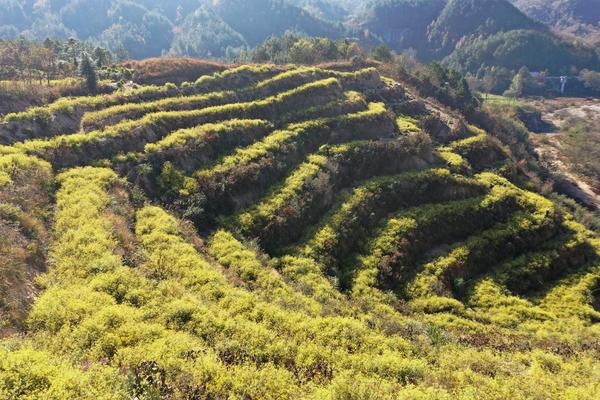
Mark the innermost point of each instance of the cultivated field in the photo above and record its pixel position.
(274, 232)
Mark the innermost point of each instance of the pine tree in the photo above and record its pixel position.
(382, 53)
(88, 71)
(102, 57)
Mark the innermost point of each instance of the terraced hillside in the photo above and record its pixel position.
(275, 232)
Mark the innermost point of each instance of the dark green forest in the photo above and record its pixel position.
(465, 34)
(148, 28)
(469, 34)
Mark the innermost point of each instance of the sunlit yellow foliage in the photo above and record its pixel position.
(14, 165)
(136, 110)
(407, 125)
(69, 105)
(340, 262)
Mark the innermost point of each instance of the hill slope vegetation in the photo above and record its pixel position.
(287, 232)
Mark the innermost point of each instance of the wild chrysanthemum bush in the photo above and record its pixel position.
(348, 225)
(267, 233)
(193, 147)
(114, 114)
(407, 125)
(14, 167)
(182, 138)
(237, 78)
(309, 190)
(84, 241)
(64, 115)
(72, 149)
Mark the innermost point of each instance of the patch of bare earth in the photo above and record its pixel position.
(562, 113)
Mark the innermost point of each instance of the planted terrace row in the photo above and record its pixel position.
(564, 302)
(394, 253)
(189, 149)
(117, 317)
(526, 229)
(239, 329)
(283, 332)
(570, 250)
(348, 226)
(361, 80)
(67, 115)
(481, 152)
(64, 115)
(280, 83)
(577, 295)
(237, 78)
(228, 88)
(84, 243)
(241, 178)
(65, 151)
(99, 120)
(202, 333)
(280, 218)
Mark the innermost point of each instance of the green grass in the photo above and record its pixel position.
(500, 100)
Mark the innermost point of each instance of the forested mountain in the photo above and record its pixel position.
(462, 19)
(472, 34)
(331, 10)
(401, 24)
(436, 27)
(539, 51)
(258, 19)
(580, 18)
(153, 27)
(561, 11)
